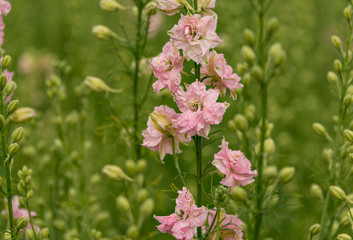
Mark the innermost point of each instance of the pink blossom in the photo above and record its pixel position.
(195, 35)
(220, 75)
(5, 7)
(160, 132)
(234, 165)
(230, 226)
(206, 4)
(167, 68)
(187, 217)
(169, 7)
(199, 109)
(19, 212)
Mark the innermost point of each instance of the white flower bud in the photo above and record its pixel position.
(98, 85)
(337, 192)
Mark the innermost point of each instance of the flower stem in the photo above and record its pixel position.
(31, 220)
(198, 145)
(176, 162)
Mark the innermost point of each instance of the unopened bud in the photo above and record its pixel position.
(239, 194)
(23, 115)
(277, 54)
(240, 122)
(102, 32)
(348, 134)
(6, 62)
(272, 25)
(29, 194)
(17, 135)
(147, 207)
(347, 12)
(96, 234)
(132, 232)
(248, 54)
(123, 204)
(142, 195)
(270, 172)
(151, 8)
(316, 191)
(13, 149)
(12, 106)
(141, 165)
(110, 5)
(332, 77)
(231, 125)
(344, 236)
(3, 81)
(10, 88)
(270, 146)
(115, 173)
(242, 68)
(2, 121)
(350, 156)
(44, 233)
(29, 234)
(257, 73)
(286, 174)
(249, 36)
(130, 166)
(98, 85)
(337, 65)
(246, 78)
(315, 229)
(319, 129)
(273, 200)
(336, 41)
(337, 192)
(21, 222)
(250, 112)
(348, 100)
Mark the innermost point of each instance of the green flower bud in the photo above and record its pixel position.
(130, 166)
(133, 232)
(13, 149)
(286, 174)
(344, 236)
(337, 192)
(142, 195)
(12, 106)
(350, 156)
(272, 25)
(29, 194)
(44, 233)
(270, 146)
(231, 125)
(96, 234)
(316, 191)
(335, 119)
(147, 207)
(3, 81)
(319, 129)
(21, 222)
(7, 236)
(315, 229)
(151, 8)
(347, 13)
(337, 65)
(270, 173)
(273, 201)
(348, 100)
(336, 41)
(29, 234)
(22, 115)
(348, 134)
(332, 77)
(17, 135)
(221, 195)
(257, 73)
(249, 36)
(246, 78)
(123, 204)
(240, 122)
(2, 121)
(250, 112)
(248, 54)
(110, 5)
(6, 62)
(98, 85)
(239, 194)
(141, 165)
(115, 173)
(242, 68)
(277, 54)
(102, 32)
(10, 88)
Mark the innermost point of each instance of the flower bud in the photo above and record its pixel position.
(7, 236)
(3, 81)
(272, 201)
(96, 234)
(348, 134)
(316, 191)
(13, 149)
(10, 88)
(98, 85)
(29, 234)
(239, 194)
(115, 173)
(21, 222)
(142, 195)
(332, 77)
(231, 125)
(6, 62)
(336, 41)
(132, 232)
(102, 32)
(347, 13)
(319, 129)
(151, 8)
(348, 100)
(249, 36)
(270, 173)
(29, 194)
(17, 135)
(337, 65)
(350, 156)
(248, 54)
(277, 54)
(12, 106)
(240, 122)
(257, 73)
(242, 68)
(147, 207)
(272, 25)
(270, 146)
(315, 229)
(337, 192)
(123, 204)
(23, 115)
(141, 165)
(246, 78)
(110, 5)
(286, 174)
(2, 121)
(343, 236)
(130, 166)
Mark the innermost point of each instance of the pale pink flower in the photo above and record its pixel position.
(187, 217)
(220, 75)
(195, 35)
(5, 7)
(156, 21)
(206, 4)
(169, 7)
(230, 226)
(167, 68)
(199, 109)
(160, 132)
(235, 166)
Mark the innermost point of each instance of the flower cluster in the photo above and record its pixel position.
(5, 8)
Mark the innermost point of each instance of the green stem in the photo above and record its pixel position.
(31, 220)
(218, 217)
(176, 162)
(198, 146)
(9, 200)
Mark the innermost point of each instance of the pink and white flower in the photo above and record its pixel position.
(160, 132)
(187, 217)
(220, 75)
(170, 7)
(230, 226)
(199, 109)
(235, 166)
(167, 68)
(195, 35)
(5, 7)
(206, 4)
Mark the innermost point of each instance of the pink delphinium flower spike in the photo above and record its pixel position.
(220, 75)
(187, 217)
(195, 35)
(166, 68)
(235, 166)
(199, 109)
(160, 132)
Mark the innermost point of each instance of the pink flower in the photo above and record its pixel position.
(195, 35)
(234, 165)
(230, 226)
(206, 4)
(5, 7)
(187, 217)
(19, 212)
(169, 7)
(167, 68)
(220, 75)
(200, 109)
(160, 132)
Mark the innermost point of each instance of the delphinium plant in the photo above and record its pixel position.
(198, 95)
(337, 215)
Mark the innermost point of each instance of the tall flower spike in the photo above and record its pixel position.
(195, 35)
(234, 165)
(199, 109)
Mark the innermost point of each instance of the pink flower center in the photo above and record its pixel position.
(195, 105)
(190, 32)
